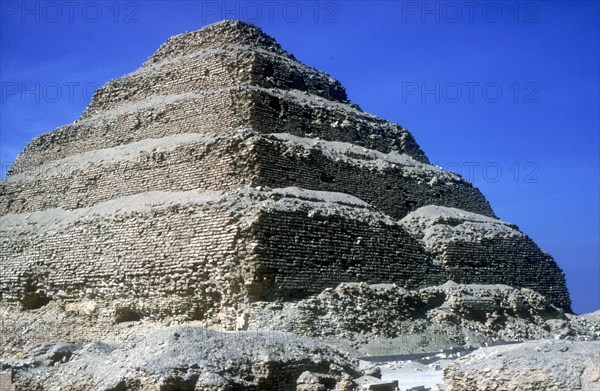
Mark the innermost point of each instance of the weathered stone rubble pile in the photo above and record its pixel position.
(387, 319)
(187, 358)
(541, 365)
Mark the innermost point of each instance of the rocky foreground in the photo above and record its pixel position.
(540, 365)
(194, 358)
(310, 344)
(186, 358)
(386, 319)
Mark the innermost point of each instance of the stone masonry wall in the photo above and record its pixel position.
(393, 188)
(220, 111)
(302, 251)
(517, 262)
(280, 70)
(212, 90)
(191, 161)
(204, 71)
(178, 259)
(202, 254)
(177, 163)
(477, 249)
(231, 33)
(277, 111)
(118, 205)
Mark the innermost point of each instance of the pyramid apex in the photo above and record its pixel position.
(218, 35)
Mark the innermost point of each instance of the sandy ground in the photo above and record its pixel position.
(412, 374)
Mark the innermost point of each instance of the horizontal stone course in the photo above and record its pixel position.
(221, 111)
(396, 184)
(212, 69)
(143, 250)
(477, 249)
(217, 112)
(176, 163)
(146, 254)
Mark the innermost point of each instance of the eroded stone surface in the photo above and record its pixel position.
(471, 248)
(543, 366)
(383, 319)
(187, 358)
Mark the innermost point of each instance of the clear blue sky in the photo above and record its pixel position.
(507, 93)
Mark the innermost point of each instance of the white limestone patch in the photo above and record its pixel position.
(411, 374)
(312, 202)
(370, 158)
(545, 365)
(93, 113)
(123, 153)
(245, 202)
(322, 196)
(595, 316)
(475, 288)
(187, 357)
(56, 219)
(438, 224)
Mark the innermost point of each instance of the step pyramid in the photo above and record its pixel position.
(224, 172)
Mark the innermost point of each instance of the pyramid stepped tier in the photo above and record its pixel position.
(225, 172)
(247, 245)
(230, 33)
(133, 247)
(202, 113)
(395, 184)
(476, 248)
(251, 245)
(220, 112)
(230, 55)
(212, 69)
(174, 163)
